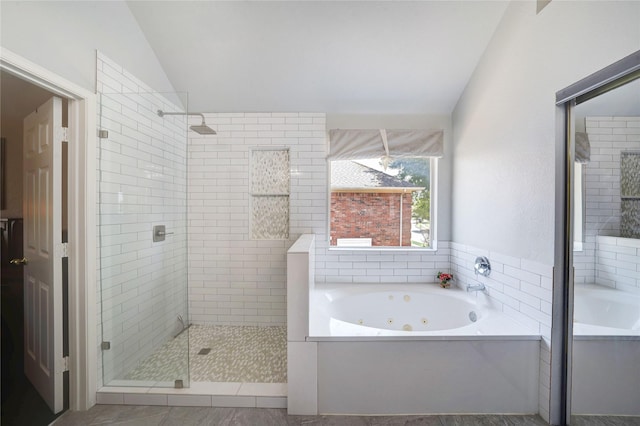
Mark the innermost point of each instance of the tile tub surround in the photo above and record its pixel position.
(618, 263)
(142, 181)
(344, 374)
(521, 289)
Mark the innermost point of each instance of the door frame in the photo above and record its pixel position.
(82, 224)
(606, 79)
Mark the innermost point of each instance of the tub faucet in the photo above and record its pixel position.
(476, 287)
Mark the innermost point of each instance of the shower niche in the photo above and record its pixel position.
(270, 189)
(630, 194)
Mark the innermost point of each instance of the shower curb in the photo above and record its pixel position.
(202, 394)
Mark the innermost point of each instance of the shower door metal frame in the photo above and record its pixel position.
(609, 78)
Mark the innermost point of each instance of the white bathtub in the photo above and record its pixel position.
(407, 311)
(420, 344)
(604, 311)
(350, 351)
(606, 352)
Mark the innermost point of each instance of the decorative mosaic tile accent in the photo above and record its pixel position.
(270, 172)
(630, 221)
(630, 174)
(169, 363)
(238, 354)
(270, 218)
(269, 190)
(630, 193)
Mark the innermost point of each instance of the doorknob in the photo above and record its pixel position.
(22, 261)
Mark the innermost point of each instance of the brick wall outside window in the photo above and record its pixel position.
(371, 215)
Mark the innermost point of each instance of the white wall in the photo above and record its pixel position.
(504, 123)
(63, 37)
(504, 127)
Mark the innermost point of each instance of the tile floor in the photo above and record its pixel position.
(231, 366)
(248, 356)
(185, 416)
(235, 354)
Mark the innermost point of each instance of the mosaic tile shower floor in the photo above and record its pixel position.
(238, 354)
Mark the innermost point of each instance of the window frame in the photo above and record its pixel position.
(433, 205)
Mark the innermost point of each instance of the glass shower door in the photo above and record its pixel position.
(142, 220)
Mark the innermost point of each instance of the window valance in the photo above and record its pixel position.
(583, 148)
(349, 144)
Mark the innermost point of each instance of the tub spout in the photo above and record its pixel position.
(476, 287)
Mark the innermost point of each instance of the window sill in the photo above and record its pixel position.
(398, 249)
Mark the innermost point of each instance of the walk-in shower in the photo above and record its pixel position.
(149, 336)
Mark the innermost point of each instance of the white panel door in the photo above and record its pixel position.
(42, 208)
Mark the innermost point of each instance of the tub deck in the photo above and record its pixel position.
(492, 324)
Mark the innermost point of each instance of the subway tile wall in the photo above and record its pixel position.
(236, 280)
(520, 288)
(142, 181)
(618, 263)
(608, 136)
(380, 266)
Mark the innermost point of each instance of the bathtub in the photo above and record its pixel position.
(409, 311)
(606, 351)
(381, 349)
(604, 311)
(418, 349)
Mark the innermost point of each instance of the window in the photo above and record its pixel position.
(374, 206)
(382, 187)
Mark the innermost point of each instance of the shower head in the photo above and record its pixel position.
(201, 129)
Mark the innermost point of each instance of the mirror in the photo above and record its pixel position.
(607, 269)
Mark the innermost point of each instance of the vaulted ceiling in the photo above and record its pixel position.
(362, 57)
